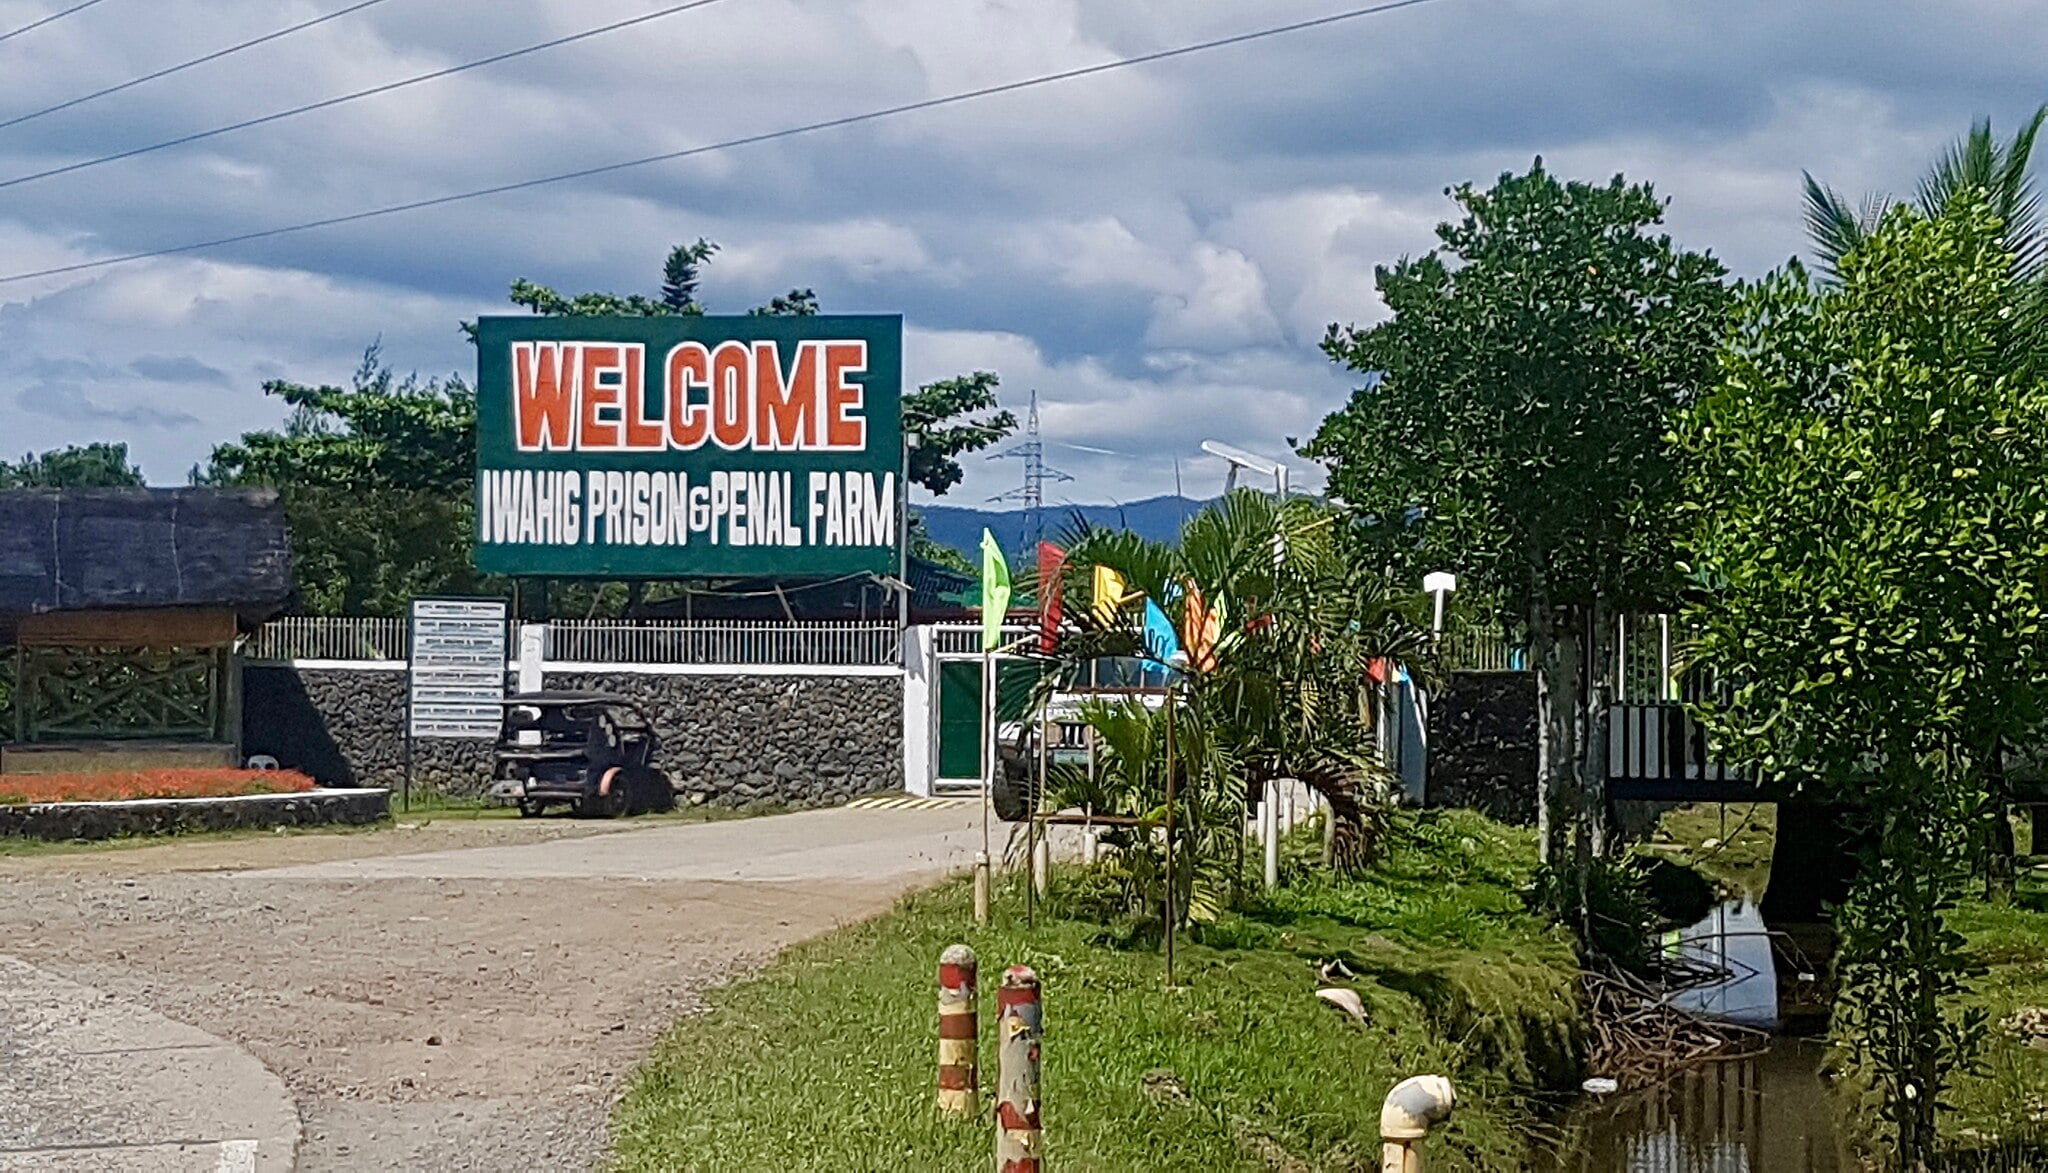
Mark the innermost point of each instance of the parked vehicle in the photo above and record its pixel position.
(588, 751)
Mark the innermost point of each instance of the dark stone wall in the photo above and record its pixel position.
(346, 727)
(1482, 745)
(110, 820)
(799, 740)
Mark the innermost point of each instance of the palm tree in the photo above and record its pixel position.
(1280, 692)
(1976, 162)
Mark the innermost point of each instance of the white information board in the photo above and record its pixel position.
(457, 653)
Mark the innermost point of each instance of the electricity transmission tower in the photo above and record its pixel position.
(1031, 450)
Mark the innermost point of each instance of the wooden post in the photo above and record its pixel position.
(959, 1031)
(981, 888)
(1020, 1022)
(1170, 918)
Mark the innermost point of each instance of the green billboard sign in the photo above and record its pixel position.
(685, 447)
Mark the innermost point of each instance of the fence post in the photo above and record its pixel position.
(981, 887)
(959, 1031)
(1020, 1022)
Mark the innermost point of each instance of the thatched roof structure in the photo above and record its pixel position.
(121, 549)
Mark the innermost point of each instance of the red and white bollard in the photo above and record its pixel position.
(1020, 1021)
(959, 1031)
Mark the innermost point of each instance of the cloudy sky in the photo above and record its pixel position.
(1156, 250)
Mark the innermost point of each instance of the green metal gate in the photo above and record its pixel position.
(960, 732)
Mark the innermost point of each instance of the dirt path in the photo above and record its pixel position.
(465, 995)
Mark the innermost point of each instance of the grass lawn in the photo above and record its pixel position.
(2008, 1098)
(1728, 843)
(826, 1060)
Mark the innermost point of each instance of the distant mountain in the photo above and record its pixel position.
(1157, 518)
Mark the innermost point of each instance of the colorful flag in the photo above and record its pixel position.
(1051, 561)
(995, 592)
(1204, 629)
(1109, 594)
(1162, 643)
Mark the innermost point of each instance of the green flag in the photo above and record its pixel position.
(995, 592)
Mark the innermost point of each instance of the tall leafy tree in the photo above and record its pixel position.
(1869, 534)
(98, 465)
(1516, 402)
(376, 480)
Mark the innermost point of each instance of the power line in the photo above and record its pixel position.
(185, 65)
(727, 144)
(373, 91)
(31, 26)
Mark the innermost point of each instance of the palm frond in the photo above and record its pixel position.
(1833, 227)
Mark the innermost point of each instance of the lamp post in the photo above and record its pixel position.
(910, 440)
(1439, 583)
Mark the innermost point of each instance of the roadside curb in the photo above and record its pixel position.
(92, 1082)
(171, 816)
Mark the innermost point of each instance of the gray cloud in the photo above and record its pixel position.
(1155, 251)
(68, 402)
(181, 368)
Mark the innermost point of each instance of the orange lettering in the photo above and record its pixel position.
(842, 396)
(731, 404)
(689, 365)
(543, 400)
(642, 434)
(785, 418)
(596, 433)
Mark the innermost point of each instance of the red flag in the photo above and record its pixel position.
(1051, 560)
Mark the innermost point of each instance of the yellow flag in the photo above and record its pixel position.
(1109, 594)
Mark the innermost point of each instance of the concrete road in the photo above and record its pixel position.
(466, 994)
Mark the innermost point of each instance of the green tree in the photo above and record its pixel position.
(1976, 163)
(376, 479)
(1517, 400)
(953, 417)
(1868, 535)
(98, 465)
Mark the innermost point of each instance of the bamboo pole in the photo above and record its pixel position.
(1170, 918)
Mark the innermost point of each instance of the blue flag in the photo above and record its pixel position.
(1162, 642)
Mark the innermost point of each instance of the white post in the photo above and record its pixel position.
(920, 679)
(1269, 819)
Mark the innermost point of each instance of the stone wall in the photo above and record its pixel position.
(1482, 745)
(799, 740)
(346, 727)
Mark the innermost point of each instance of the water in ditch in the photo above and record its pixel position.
(1769, 1113)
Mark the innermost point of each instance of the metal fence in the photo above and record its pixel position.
(1471, 650)
(320, 637)
(601, 641)
(698, 641)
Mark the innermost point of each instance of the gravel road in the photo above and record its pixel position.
(465, 994)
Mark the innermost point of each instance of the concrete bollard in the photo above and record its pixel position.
(1414, 1107)
(1020, 1022)
(981, 888)
(959, 1031)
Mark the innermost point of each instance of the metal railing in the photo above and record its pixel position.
(322, 637)
(1472, 650)
(959, 639)
(699, 641)
(600, 641)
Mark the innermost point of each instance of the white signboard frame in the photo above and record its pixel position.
(456, 679)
